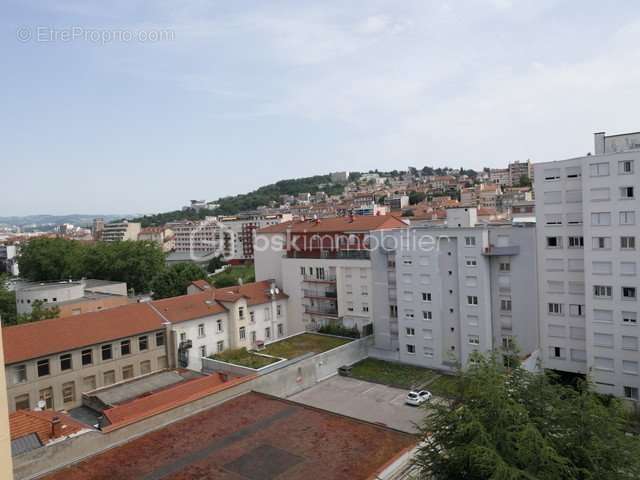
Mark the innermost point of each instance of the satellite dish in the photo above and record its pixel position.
(277, 291)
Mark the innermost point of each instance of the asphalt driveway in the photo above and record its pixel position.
(364, 400)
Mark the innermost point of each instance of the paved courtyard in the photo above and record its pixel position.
(368, 401)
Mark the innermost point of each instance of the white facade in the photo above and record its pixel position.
(587, 210)
(442, 293)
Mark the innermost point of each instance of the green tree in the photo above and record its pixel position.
(508, 423)
(215, 263)
(524, 181)
(46, 259)
(8, 310)
(39, 312)
(174, 280)
(416, 197)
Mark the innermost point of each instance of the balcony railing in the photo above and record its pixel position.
(324, 279)
(329, 294)
(330, 254)
(507, 250)
(321, 310)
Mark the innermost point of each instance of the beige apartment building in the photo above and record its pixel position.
(120, 231)
(57, 360)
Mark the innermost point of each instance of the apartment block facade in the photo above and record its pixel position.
(120, 231)
(586, 210)
(442, 292)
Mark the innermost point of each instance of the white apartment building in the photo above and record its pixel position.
(324, 266)
(120, 231)
(586, 210)
(231, 236)
(443, 292)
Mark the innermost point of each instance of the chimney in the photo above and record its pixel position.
(56, 427)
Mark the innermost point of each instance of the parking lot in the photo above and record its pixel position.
(368, 401)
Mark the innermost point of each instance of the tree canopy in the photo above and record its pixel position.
(513, 424)
(50, 259)
(174, 280)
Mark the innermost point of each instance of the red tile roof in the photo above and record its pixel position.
(256, 293)
(25, 422)
(252, 431)
(338, 224)
(46, 337)
(201, 284)
(167, 399)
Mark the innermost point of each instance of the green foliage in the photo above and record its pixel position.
(513, 424)
(215, 263)
(173, 281)
(8, 311)
(160, 219)
(241, 356)
(524, 181)
(416, 197)
(233, 274)
(340, 330)
(49, 259)
(38, 312)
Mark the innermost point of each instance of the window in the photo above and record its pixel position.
(145, 367)
(241, 313)
(159, 339)
(602, 243)
(410, 332)
(220, 346)
(551, 174)
(553, 219)
(626, 192)
(89, 383)
(472, 300)
(427, 315)
(470, 241)
(280, 329)
(474, 339)
(365, 307)
(557, 352)
(599, 219)
(629, 343)
(471, 262)
(505, 267)
(576, 310)
(428, 352)
(253, 336)
(203, 350)
(107, 353)
(576, 242)
(19, 373)
(46, 395)
(393, 311)
(125, 347)
(574, 218)
(630, 318)
(43, 367)
(554, 242)
(143, 343)
(628, 243)
(22, 402)
(631, 392)
(302, 271)
(555, 308)
(252, 316)
(553, 197)
(109, 377)
(628, 293)
(411, 348)
(267, 333)
(573, 172)
(183, 337)
(219, 325)
(599, 169)
(627, 218)
(603, 316)
(625, 167)
(68, 392)
(65, 362)
(505, 305)
(279, 307)
(426, 296)
(602, 291)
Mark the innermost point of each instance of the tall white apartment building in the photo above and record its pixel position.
(586, 211)
(442, 292)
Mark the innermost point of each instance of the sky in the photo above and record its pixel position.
(133, 106)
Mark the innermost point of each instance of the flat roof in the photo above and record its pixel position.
(253, 437)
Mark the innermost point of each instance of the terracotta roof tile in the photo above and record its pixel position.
(46, 337)
(25, 422)
(256, 293)
(338, 224)
(201, 284)
(188, 307)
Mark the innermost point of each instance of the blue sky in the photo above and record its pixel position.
(240, 93)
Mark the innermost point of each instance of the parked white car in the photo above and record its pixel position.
(416, 398)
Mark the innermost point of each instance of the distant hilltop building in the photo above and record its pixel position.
(97, 228)
(340, 177)
(120, 231)
(510, 176)
(163, 236)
